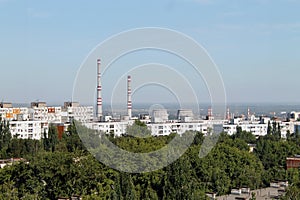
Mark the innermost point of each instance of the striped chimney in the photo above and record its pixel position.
(210, 112)
(99, 90)
(228, 114)
(129, 102)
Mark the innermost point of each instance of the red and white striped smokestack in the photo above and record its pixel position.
(129, 102)
(99, 90)
(210, 112)
(228, 114)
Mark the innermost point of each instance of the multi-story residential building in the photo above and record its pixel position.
(158, 129)
(256, 129)
(118, 128)
(28, 129)
(49, 114)
(20, 113)
(31, 123)
(72, 110)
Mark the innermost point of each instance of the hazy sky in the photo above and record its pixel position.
(255, 43)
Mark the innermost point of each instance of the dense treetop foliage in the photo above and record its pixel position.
(62, 168)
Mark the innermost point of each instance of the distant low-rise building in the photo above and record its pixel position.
(293, 162)
(11, 161)
(5, 105)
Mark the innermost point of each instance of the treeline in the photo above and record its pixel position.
(12, 147)
(62, 168)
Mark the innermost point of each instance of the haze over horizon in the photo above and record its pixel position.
(255, 45)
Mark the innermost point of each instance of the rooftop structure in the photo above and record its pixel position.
(5, 105)
(260, 194)
(185, 115)
(38, 104)
(159, 116)
(71, 104)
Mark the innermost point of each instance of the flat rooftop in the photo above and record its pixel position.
(261, 194)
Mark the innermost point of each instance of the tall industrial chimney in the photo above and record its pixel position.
(209, 112)
(129, 102)
(248, 114)
(99, 89)
(228, 114)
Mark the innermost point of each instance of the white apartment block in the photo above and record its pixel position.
(255, 128)
(157, 129)
(117, 128)
(160, 129)
(31, 123)
(28, 129)
(82, 114)
(49, 114)
(19, 114)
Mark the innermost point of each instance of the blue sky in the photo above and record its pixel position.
(255, 43)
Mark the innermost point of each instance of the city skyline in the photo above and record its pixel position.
(253, 43)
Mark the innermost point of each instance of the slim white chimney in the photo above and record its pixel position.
(129, 103)
(248, 113)
(99, 89)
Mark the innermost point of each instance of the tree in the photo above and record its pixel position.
(127, 187)
(248, 137)
(72, 140)
(5, 137)
(51, 139)
(297, 131)
(276, 130)
(199, 138)
(293, 192)
(288, 134)
(23, 147)
(138, 129)
(269, 130)
(253, 196)
(238, 131)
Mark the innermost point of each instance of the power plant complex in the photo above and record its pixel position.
(33, 122)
